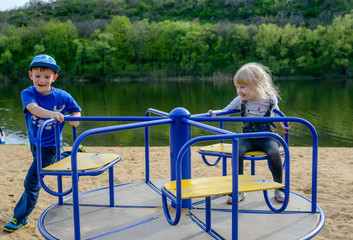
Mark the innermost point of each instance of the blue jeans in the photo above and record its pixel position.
(268, 145)
(31, 184)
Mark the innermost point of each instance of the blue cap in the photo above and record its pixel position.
(45, 61)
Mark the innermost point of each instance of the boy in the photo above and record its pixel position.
(40, 102)
(2, 137)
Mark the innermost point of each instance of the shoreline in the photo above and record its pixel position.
(334, 177)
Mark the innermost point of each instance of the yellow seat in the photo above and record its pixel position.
(216, 186)
(224, 151)
(226, 148)
(85, 162)
(88, 164)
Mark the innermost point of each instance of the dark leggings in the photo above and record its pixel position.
(268, 145)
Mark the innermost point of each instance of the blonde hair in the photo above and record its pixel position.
(257, 76)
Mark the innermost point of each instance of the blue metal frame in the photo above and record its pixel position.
(74, 172)
(177, 200)
(224, 156)
(147, 145)
(180, 121)
(281, 119)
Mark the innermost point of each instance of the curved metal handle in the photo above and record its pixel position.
(166, 210)
(208, 163)
(270, 205)
(54, 193)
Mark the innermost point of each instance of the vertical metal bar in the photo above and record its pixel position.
(235, 181)
(252, 166)
(147, 151)
(58, 158)
(314, 173)
(57, 141)
(221, 126)
(111, 186)
(74, 133)
(208, 214)
(75, 195)
(60, 190)
(224, 166)
(224, 160)
(179, 135)
(59, 177)
(147, 155)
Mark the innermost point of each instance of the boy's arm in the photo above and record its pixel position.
(75, 114)
(44, 113)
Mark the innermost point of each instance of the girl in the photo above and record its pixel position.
(257, 97)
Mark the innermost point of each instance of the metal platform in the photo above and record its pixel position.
(138, 214)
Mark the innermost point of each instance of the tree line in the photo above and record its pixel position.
(280, 12)
(126, 48)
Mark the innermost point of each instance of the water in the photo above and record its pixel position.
(325, 104)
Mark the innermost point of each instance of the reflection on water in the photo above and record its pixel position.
(327, 105)
(16, 137)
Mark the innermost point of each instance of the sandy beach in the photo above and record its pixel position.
(335, 182)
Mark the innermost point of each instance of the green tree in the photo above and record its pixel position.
(58, 41)
(5, 61)
(38, 49)
(167, 48)
(100, 54)
(194, 49)
(268, 46)
(118, 28)
(305, 59)
(239, 46)
(335, 45)
(279, 47)
(80, 56)
(136, 39)
(11, 49)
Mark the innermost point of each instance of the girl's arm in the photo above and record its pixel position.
(283, 126)
(233, 105)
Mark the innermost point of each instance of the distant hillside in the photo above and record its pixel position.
(93, 14)
(112, 39)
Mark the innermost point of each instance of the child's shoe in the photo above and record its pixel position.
(279, 195)
(241, 197)
(81, 148)
(14, 225)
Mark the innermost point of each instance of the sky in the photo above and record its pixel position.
(9, 4)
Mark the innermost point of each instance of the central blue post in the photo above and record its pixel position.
(179, 135)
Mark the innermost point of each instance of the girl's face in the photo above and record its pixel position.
(248, 93)
(42, 80)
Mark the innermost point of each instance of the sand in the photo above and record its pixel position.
(335, 182)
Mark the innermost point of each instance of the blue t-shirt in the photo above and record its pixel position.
(58, 101)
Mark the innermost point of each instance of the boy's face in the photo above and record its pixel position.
(42, 79)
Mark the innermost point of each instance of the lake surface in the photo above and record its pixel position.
(328, 105)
